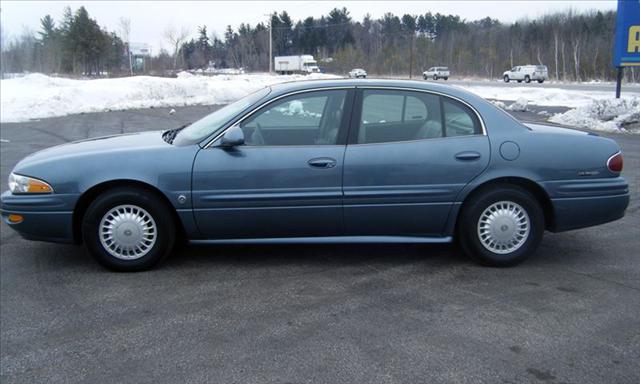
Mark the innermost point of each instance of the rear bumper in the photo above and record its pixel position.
(44, 217)
(585, 203)
(581, 212)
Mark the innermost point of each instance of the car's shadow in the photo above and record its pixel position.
(294, 256)
(312, 256)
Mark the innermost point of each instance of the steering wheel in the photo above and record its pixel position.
(257, 137)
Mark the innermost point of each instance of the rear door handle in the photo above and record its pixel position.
(322, 162)
(467, 156)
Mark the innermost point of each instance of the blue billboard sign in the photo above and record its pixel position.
(627, 43)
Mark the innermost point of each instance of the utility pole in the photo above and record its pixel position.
(270, 44)
(411, 58)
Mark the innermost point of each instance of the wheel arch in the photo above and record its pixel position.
(527, 184)
(92, 193)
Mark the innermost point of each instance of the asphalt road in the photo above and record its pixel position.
(316, 313)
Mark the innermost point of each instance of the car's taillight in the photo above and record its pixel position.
(615, 162)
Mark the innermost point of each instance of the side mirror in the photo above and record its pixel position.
(232, 137)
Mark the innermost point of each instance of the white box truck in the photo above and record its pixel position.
(305, 64)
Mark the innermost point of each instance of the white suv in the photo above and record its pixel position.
(436, 73)
(527, 73)
(358, 73)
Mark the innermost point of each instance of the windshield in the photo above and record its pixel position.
(204, 127)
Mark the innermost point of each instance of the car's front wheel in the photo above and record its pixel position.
(527, 79)
(435, 77)
(501, 226)
(424, 77)
(128, 229)
(506, 78)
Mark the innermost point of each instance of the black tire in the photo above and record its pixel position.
(158, 210)
(446, 78)
(506, 78)
(540, 81)
(527, 79)
(467, 229)
(435, 77)
(519, 81)
(424, 77)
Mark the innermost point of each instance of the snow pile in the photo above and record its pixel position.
(296, 108)
(38, 96)
(499, 104)
(613, 115)
(519, 105)
(541, 96)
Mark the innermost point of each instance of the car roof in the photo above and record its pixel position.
(293, 86)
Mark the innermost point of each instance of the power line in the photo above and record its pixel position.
(314, 26)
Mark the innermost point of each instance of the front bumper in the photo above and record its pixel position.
(585, 203)
(45, 217)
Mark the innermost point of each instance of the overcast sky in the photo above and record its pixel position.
(150, 18)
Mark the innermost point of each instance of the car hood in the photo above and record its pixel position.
(99, 145)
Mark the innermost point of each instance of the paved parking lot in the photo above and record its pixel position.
(316, 314)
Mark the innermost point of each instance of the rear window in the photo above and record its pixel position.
(541, 67)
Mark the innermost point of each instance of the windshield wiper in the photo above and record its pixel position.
(171, 134)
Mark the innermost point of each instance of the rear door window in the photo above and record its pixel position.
(395, 115)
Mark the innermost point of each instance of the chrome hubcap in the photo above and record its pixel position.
(503, 227)
(127, 232)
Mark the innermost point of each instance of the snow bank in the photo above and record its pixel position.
(37, 96)
(613, 115)
(539, 95)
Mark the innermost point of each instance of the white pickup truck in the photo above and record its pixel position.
(436, 73)
(526, 73)
(286, 65)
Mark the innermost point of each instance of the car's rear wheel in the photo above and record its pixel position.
(506, 78)
(446, 78)
(541, 81)
(527, 79)
(501, 226)
(128, 229)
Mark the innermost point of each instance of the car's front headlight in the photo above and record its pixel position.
(19, 184)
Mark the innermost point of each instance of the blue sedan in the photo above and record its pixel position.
(323, 161)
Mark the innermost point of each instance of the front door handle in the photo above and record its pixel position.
(322, 162)
(467, 156)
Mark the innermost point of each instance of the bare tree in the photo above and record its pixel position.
(564, 68)
(555, 41)
(124, 25)
(176, 38)
(576, 59)
(3, 58)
